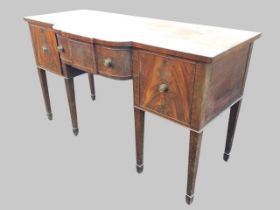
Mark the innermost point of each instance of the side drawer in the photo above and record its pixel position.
(166, 86)
(77, 54)
(114, 62)
(45, 48)
(64, 49)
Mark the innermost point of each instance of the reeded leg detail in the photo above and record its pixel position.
(139, 117)
(194, 151)
(233, 117)
(69, 83)
(91, 84)
(44, 86)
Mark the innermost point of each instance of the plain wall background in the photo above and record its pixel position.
(43, 166)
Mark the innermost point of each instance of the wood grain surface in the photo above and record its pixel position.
(206, 42)
(44, 45)
(120, 62)
(177, 75)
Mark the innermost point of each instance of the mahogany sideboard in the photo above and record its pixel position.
(183, 72)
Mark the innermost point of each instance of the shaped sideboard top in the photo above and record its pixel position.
(200, 40)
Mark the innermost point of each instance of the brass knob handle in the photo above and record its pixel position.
(60, 48)
(108, 62)
(163, 88)
(45, 49)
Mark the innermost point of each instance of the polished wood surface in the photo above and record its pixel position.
(69, 84)
(136, 77)
(139, 117)
(114, 62)
(45, 90)
(223, 92)
(44, 45)
(183, 72)
(200, 90)
(194, 152)
(82, 55)
(65, 52)
(177, 75)
(206, 42)
(218, 86)
(233, 117)
(92, 86)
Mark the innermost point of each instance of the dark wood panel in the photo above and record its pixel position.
(247, 65)
(92, 86)
(218, 85)
(65, 53)
(166, 86)
(233, 117)
(226, 84)
(82, 55)
(199, 100)
(141, 46)
(45, 48)
(45, 91)
(139, 118)
(136, 77)
(69, 84)
(194, 152)
(114, 62)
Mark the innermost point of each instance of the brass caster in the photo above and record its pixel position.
(49, 115)
(76, 131)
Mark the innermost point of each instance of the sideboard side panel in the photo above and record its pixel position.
(227, 82)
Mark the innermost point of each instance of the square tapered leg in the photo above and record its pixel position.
(194, 152)
(91, 85)
(44, 86)
(69, 84)
(233, 117)
(139, 117)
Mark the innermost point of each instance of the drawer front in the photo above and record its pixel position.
(63, 48)
(77, 54)
(114, 62)
(82, 55)
(166, 86)
(45, 48)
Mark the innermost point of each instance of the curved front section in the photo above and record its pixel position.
(86, 55)
(114, 62)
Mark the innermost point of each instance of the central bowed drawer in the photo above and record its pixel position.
(114, 62)
(166, 86)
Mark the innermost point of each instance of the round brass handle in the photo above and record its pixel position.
(45, 49)
(163, 88)
(108, 62)
(60, 48)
